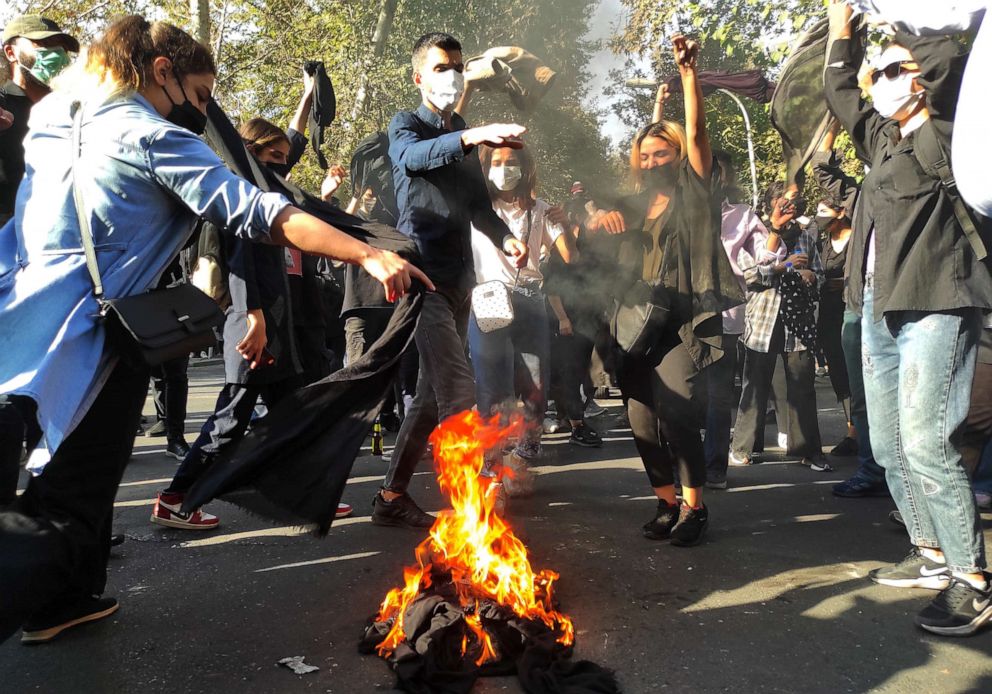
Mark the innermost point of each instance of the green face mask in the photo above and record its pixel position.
(48, 62)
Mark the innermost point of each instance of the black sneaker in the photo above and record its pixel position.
(401, 511)
(958, 610)
(660, 528)
(583, 435)
(691, 527)
(390, 421)
(117, 540)
(157, 429)
(177, 449)
(47, 625)
(896, 517)
(860, 488)
(915, 571)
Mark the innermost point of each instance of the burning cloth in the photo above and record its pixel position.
(472, 606)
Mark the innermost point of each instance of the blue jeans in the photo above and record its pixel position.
(496, 356)
(918, 369)
(850, 338)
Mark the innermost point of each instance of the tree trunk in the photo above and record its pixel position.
(387, 12)
(199, 12)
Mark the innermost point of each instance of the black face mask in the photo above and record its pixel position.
(823, 222)
(279, 169)
(661, 177)
(185, 115)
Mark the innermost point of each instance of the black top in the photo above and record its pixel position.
(923, 260)
(440, 194)
(13, 99)
(833, 262)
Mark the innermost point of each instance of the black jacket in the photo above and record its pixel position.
(695, 269)
(13, 99)
(923, 261)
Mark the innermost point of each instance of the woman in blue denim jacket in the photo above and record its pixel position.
(144, 177)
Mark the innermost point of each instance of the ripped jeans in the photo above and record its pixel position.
(918, 370)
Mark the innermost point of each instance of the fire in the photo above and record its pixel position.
(474, 544)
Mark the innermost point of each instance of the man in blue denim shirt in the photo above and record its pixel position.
(440, 193)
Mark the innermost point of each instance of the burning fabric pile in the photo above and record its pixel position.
(473, 606)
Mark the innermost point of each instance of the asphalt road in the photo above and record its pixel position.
(776, 600)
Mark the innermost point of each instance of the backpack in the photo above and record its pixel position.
(936, 163)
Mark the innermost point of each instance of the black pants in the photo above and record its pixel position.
(226, 426)
(315, 358)
(55, 541)
(361, 329)
(18, 428)
(803, 428)
(664, 415)
(828, 329)
(446, 385)
(571, 356)
(721, 400)
(171, 388)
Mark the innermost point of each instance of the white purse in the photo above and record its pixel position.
(492, 302)
(492, 306)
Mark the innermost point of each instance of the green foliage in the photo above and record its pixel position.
(261, 46)
(734, 35)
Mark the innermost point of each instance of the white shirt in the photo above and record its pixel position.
(492, 263)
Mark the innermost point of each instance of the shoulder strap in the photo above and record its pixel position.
(934, 160)
(84, 223)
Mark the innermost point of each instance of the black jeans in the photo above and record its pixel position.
(446, 385)
(226, 426)
(55, 541)
(660, 394)
(830, 323)
(721, 400)
(171, 388)
(569, 372)
(361, 329)
(802, 424)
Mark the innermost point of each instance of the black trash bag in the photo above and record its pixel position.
(798, 308)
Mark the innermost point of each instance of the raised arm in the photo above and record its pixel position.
(299, 122)
(862, 122)
(700, 154)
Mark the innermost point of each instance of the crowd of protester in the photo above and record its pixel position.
(677, 291)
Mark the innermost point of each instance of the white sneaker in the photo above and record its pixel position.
(783, 441)
(551, 425)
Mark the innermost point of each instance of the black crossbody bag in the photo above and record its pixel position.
(153, 327)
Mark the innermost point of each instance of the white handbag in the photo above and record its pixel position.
(492, 302)
(492, 306)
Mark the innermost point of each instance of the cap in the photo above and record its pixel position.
(35, 27)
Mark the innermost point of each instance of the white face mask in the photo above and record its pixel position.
(505, 178)
(890, 97)
(443, 89)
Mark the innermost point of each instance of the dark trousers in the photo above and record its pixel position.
(446, 386)
(55, 541)
(570, 372)
(361, 329)
(868, 469)
(171, 388)
(18, 428)
(315, 359)
(226, 426)
(830, 323)
(720, 402)
(800, 372)
(664, 415)
(978, 427)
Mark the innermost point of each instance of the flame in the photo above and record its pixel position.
(472, 542)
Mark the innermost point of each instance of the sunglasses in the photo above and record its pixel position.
(893, 70)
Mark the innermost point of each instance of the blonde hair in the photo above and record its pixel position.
(119, 63)
(671, 132)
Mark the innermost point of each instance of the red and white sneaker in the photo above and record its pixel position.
(344, 510)
(168, 512)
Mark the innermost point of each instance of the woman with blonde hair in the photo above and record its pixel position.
(136, 104)
(671, 262)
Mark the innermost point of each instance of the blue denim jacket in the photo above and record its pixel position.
(144, 181)
(440, 193)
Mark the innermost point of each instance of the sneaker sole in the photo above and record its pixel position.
(931, 583)
(50, 633)
(965, 629)
(181, 525)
